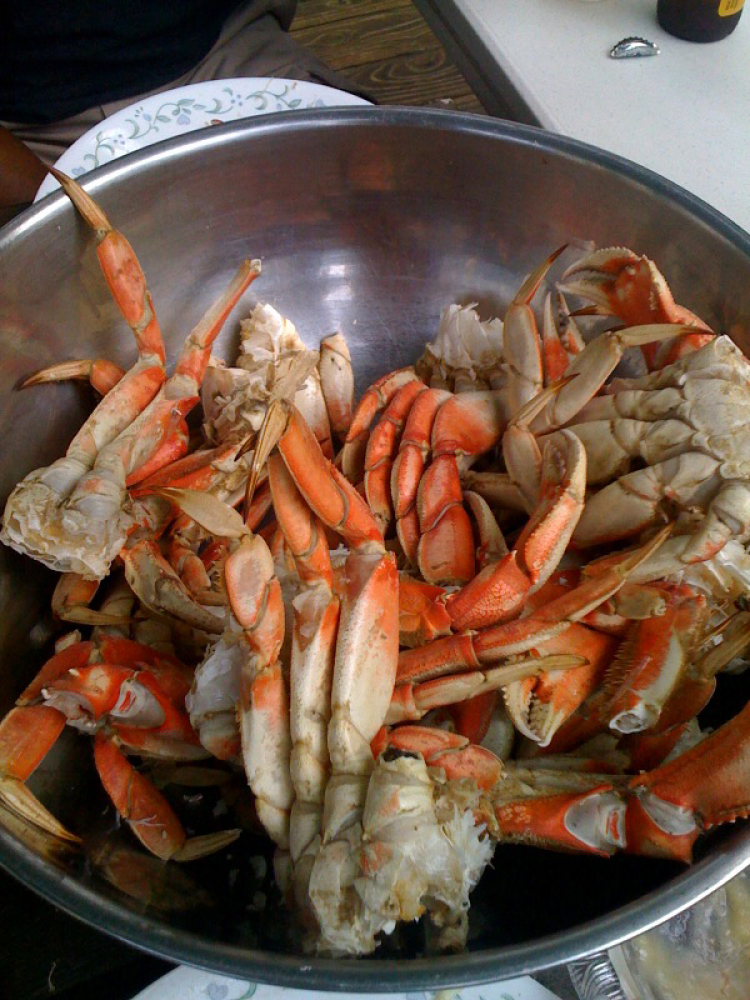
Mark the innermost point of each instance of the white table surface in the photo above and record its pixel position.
(684, 113)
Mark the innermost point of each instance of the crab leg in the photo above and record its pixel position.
(421, 612)
(147, 812)
(372, 403)
(701, 788)
(84, 533)
(492, 546)
(409, 464)
(622, 284)
(412, 702)
(103, 375)
(465, 427)
(521, 340)
(26, 737)
(593, 366)
(499, 590)
(538, 709)
(173, 447)
(256, 601)
(366, 648)
(119, 265)
(316, 621)
(660, 813)
(337, 382)
(381, 448)
(639, 499)
(556, 358)
(72, 596)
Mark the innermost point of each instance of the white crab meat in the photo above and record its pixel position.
(213, 699)
(419, 852)
(467, 353)
(273, 363)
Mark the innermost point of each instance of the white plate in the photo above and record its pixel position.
(185, 109)
(192, 984)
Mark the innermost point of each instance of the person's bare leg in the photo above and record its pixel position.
(21, 173)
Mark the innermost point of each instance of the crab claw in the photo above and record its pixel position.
(706, 786)
(622, 284)
(591, 821)
(26, 737)
(159, 588)
(147, 812)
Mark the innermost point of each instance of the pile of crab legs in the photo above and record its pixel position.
(603, 666)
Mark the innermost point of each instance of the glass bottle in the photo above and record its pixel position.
(699, 20)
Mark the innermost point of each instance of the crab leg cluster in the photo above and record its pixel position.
(511, 548)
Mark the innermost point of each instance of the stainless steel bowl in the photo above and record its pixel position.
(372, 220)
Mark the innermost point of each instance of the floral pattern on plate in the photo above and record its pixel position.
(192, 984)
(185, 109)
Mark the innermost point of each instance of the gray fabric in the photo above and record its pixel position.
(252, 43)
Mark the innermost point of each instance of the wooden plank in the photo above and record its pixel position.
(311, 13)
(360, 40)
(414, 79)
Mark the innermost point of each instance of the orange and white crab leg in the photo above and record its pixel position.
(103, 375)
(89, 531)
(337, 382)
(522, 452)
(381, 451)
(622, 284)
(466, 426)
(146, 811)
(590, 369)
(409, 464)
(26, 736)
(658, 681)
(522, 344)
(498, 590)
(257, 604)
(704, 787)
(316, 621)
(32, 511)
(537, 709)
(372, 403)
(492, 545)
(411, 702)
(366, 650)
(120, 267)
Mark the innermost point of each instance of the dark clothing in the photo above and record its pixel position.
(59, 57)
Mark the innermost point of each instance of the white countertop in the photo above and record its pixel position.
(684, 113)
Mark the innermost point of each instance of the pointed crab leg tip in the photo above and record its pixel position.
(634, 559)
(274, 425)
(36, 379)
(201, 847)
(537, 403)
(87, 616)
(648, 333)
(59, 175)
(84, 203)
(17, 797)
(528, 289)
(585, 311)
